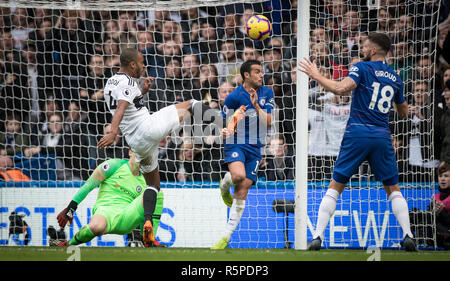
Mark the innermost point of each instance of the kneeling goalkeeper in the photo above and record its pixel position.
(120, 205)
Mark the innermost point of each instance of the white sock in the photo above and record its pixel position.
(236, 211)
(401, 212)
(326, 210)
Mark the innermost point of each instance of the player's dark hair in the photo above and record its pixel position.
(381, 40)
(128, 55)
(247, 67)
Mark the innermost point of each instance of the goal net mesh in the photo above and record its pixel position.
(57, 55)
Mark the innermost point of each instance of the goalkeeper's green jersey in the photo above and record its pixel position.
(118, 187)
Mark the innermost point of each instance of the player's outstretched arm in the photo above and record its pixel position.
(108, 139)
(341, 88)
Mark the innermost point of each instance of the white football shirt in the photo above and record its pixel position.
(123, 87)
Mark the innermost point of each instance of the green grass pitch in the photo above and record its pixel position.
(33, 253)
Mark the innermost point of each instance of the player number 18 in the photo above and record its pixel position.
(384, 103)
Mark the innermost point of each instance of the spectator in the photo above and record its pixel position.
(41, 15)
(191, 72)
(91, 26)
(190, 162)
(318, 35)
(336, 112)
(157, 57)
(224, 89)
(424, 70)
(50, 107)
(76, 131)
(319, 166)
(249, 53)
(384, 22)
(171, 30)
(246, 15)
(117, 150)
(291, 49)
(445, 129)
(56, 143)
(73, 51)
(441, 55)
(231, 32)
(111, 30)
(8, 51)
(228, 60)
(275, 66)
(9, 173)
(351, 26)
(44, 41)
(419, 139)
(111, 53)
(437, 213)
(190, 23)
(206, 43)
(91, 93)
(13, 140)
(404, 28)
(23, 24)
(14, 91)
(321, 54)
(335, 11)
(145, 40)
(327, 126)
(403, 54)
(287, 112)
(155, 25)
(76, 121)
(339, 52)
(209, 83)
(280, 163)
(169, 90)
(30, 63)
(356, 50)
(445, 84)
(127, 29)
(167, 159)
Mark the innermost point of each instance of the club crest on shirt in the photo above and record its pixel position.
(262, 102)
(105, 166)
(225, 110)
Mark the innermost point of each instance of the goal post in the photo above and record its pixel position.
(301, 164)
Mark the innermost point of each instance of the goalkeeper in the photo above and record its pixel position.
(119, 208)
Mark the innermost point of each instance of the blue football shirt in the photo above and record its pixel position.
(249, 130)
(377, 87)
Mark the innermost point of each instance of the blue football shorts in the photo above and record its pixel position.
(251, 159)
(379, 152)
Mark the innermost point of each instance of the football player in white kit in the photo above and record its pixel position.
(142, 130)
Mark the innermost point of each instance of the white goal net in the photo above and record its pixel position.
(57, 55)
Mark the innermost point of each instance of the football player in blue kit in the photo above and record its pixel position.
(249, 107)
(374, 88)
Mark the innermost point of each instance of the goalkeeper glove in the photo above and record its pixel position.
(66, 215)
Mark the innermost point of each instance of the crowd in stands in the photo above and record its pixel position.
(54, 65)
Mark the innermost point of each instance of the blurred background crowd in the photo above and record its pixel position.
(54, 64)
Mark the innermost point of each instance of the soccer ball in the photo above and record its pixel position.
(258, 27)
